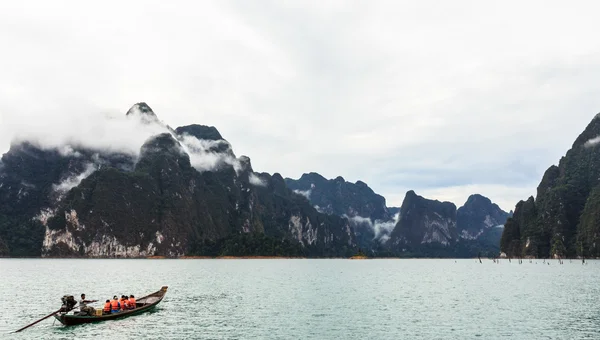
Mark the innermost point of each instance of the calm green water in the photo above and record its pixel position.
(311, 299)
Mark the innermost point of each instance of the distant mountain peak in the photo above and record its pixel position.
(411, 193)
(590, 136)
(162, 143)
(477, 214)
(361, 184)
(477, 199)
(424, 221)
(143, 111)
(200, 131)
(339, 197)
(312, 176)
(245, 164)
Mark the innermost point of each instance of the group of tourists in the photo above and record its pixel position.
(110, 306)
(118, 305)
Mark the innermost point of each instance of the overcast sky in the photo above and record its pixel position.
(447, 98)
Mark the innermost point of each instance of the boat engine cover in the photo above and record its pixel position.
(68, 302)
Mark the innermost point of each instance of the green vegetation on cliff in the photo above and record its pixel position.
(562, 219)
(336, 196)
(20, 237)
(166, 207)
(248, 244)
(186, 193)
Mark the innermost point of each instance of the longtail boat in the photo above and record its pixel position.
(143, 304)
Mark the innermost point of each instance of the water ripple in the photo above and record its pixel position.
(312, 299)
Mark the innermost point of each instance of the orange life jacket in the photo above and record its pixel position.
(107, 307)
(123, 304)
(131, 303)
(114, 304)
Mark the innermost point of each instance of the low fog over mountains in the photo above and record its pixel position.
(132, 186)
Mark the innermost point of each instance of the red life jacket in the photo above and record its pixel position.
(114, 304)
(132, 303)
(107, 307)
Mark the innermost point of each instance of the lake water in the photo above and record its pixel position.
(311, 299)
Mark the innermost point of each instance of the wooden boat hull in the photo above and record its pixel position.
(145, 304)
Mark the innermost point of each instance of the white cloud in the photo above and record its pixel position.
(256, 180)
(72, 181)
(358, 219)
(381, 229)
(592, 141)
(67, 151)
(204, 155)
(305, 193)
(402, 95)
(89, 128)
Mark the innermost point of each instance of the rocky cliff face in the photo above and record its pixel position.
(433, 228)
(424, 221)
(185, 193)
(478, 215)
(3, 249)
(32, 183)
(366, 211)
(420, 227)
(561, 220)
(340, 197)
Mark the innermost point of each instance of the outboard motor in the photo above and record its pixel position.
(68, 303)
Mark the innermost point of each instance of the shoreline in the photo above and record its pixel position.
(228, 257)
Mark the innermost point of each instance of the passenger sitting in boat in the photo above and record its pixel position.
(84, 308)
(124, 303)
(131, 302)
(115, 306)
(106, 309)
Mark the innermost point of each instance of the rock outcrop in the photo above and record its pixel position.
(366, 211)
(477, 216)
(433, 228)
(424, 221)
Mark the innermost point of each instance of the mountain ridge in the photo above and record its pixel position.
(560, 221)
(186, 193)
(473, 221)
